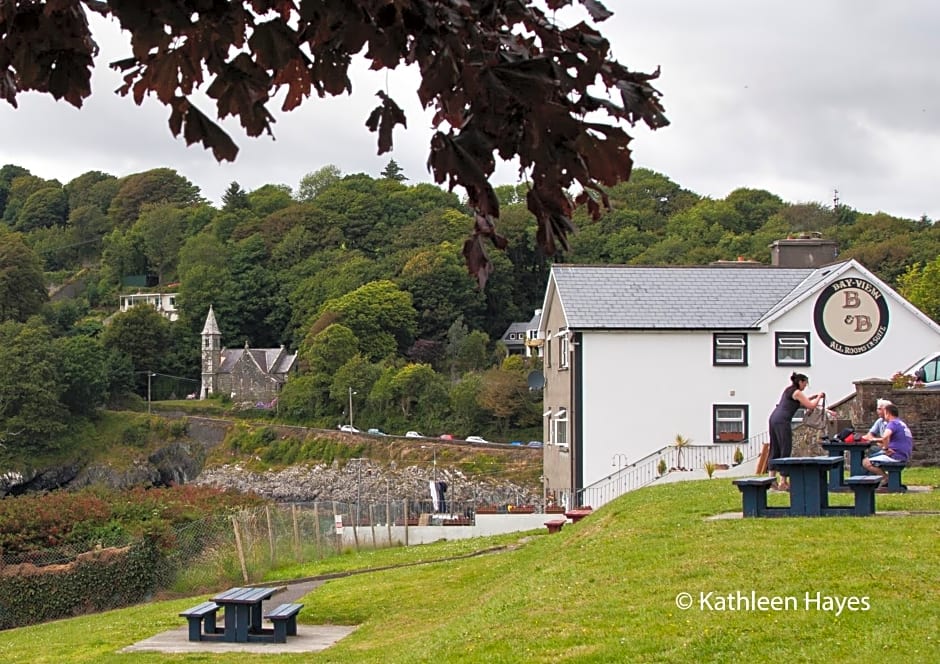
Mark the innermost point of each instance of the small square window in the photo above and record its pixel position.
(729, 423)
(792, 349)
(729, 349)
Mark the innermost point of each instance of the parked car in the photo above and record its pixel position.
(927, 372)
(476, 439)
(348, 428)
(413, 434)
(447, 436)
(534, 443)
(377, 432)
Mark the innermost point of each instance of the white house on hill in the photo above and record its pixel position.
(635, 355)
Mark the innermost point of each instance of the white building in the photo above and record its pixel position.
(636, 355)
(165, 303)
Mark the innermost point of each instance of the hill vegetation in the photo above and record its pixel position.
(363, 276)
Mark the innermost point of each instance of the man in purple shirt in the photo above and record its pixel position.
(896, 443)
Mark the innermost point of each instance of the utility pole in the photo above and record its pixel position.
(351, 393)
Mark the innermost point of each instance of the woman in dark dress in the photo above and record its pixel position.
(781, 428)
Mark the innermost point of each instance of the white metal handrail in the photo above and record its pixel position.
(646, 470)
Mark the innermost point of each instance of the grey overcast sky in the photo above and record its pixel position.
(800, 98)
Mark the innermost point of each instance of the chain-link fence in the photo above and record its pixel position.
(241, 547)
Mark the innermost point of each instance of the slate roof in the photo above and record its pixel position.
(728, 296)
(271, 360)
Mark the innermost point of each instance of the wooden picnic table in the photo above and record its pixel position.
(243, 613)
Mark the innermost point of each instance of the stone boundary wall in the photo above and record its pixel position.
(919, 408)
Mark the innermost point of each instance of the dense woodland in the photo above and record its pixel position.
(363, 275)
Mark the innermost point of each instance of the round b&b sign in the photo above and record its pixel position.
(851, 316)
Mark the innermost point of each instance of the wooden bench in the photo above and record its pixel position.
(863, 486)
(893, 468)
(754, 494)
(201, 620)
(284, 618)
(555, 525)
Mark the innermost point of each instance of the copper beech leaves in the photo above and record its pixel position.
(502, 78)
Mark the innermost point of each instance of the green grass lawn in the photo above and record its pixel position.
(605, 590)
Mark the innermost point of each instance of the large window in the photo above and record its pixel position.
(729, 423)
(729, 349)
(792, 349)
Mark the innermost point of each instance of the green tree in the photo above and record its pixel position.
(92, 188)
(330, 349)
(235, 198)
(31, 414)
(441, 291)
(313, 183)
(920, 285)
(379, 314)
(143, 336)
(160, 232)
(393, 171)
(156, 186)
(83, 373)
(44, 208)
(270, 198)
(22, 287)
(505, 395)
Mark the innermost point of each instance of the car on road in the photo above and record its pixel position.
(476, 439)
(413, 434)
(348, 428)
(446, 436)
(377, 432)
(534, 443)
(517, 443)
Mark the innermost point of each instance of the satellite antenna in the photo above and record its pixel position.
(536, 380)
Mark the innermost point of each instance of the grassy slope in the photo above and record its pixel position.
(604, 590)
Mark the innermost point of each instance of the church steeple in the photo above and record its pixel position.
(211, 354)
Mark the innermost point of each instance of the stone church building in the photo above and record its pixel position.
(246, 374)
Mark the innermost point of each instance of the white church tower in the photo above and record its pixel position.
(211, 354)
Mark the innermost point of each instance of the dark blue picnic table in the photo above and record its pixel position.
(243, 612)
(856, 454)
(809, 489)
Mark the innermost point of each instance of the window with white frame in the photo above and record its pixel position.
(729, 349)
(792, 349)
(729, 422)
(563, 349)
(560, 428)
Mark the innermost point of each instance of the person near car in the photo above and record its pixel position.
(896, 444)
(781, 427)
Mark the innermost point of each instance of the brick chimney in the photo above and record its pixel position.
(803, 250)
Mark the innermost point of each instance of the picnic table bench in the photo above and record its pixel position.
(284, 618)
(893, 468)
(201, 620)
